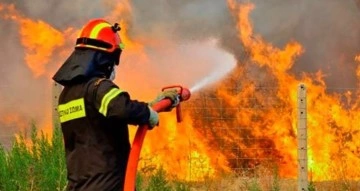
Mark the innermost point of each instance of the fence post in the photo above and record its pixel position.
(56, 89)
(302, 139)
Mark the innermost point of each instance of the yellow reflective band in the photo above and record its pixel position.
(106, 100)
(72, 110)
(95, 31)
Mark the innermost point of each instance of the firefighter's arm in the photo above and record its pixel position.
(112, 102)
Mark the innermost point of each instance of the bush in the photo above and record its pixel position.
(38, 164)
(33, 164)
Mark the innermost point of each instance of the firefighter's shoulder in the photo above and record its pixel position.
(100, 87)
(104, 83)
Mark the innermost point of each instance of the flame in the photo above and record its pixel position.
(332, 145)
(14, 120)
(256, 125)
(357, 59)
(134, 56)
(40, 51)
(38, 38)
(180, 149)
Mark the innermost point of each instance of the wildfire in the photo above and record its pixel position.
(260, 122)
(38, 38)
(332, 138)
(14, 120)
(42, 43)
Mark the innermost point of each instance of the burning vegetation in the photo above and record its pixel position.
(243, 121)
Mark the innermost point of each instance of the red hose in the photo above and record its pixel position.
(131, 169)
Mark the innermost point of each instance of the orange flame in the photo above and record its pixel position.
(180, 149)
(332, 146)
(14, 120)
(190, 152)
(38, 38)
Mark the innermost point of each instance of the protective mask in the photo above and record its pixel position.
(112, 75)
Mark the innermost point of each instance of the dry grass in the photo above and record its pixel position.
(233, 183)
(237, 183)
(337, 186)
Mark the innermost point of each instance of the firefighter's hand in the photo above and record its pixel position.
(153, 119)
(170, 94)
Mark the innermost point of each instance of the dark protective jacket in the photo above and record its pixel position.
(94, 115)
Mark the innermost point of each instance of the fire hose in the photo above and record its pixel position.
(163, 105)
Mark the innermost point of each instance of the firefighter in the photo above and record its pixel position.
(95, 113)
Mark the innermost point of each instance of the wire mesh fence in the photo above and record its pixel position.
(240, 140)
(258, 130)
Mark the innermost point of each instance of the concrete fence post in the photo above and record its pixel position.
(56, 89)
(302, 139)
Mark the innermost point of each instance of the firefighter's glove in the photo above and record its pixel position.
(171, 94)
(153, 119)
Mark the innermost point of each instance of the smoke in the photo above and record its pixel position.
(179, 38)
(186, 22)
(180, 54)
(181, 20)
(328, 31)
(61, 14)
(21, 95)
(176, 36)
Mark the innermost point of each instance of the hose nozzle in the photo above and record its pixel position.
(184, 94)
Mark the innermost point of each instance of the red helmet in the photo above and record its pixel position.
(98, 34)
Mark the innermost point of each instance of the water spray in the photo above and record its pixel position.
(204, 82)
(163, 105)
(212, 78)
(225, 63)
